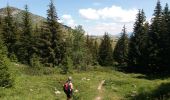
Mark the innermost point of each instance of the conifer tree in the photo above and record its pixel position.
(1, 24)
(25, 50)
(9, 32)
(95, 51)
(120, 53)
(5, 76)
(155, 38)
(105, 51)
(138, 42)
(89, 50)
(53, 38)
(164, 39)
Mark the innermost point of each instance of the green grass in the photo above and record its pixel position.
(117, 86)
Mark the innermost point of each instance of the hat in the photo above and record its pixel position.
(69, 78)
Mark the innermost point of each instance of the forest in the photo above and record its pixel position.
(50, 45)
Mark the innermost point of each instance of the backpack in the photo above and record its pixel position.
(67, 88)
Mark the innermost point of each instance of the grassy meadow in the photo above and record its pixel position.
(117, 86)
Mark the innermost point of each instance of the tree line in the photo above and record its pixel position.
(52, 44)
(148, 48)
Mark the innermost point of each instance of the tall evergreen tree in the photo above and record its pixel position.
(105, 51)
(5, 76)
(95, 51)
(53, 38)
(155, 38)
(89, 50)
(120, 53)
(1, 24)
(137, 53)
(164, 39)
(25, 50)
(9, 31)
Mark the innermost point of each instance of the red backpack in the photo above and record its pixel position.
(67, 88)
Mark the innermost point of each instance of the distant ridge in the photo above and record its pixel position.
(17, 14)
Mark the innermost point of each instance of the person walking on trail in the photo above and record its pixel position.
(68, 88)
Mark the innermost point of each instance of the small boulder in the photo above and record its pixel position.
(31, 90)
(88, 79)
(57, 92)
(76, 91)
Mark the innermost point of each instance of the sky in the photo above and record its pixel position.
(96, 16)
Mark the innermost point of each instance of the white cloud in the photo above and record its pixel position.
(89, 13)
(68, 20)
(109, 19)
(115, 13)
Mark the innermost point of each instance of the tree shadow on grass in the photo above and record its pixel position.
(161, 93)
(145, 74)
(154, 76)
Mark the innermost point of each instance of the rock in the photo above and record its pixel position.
(134, 93)
(57, 92)
(31, 90)
(84, 78)
(16, 64)
(88, 79)
(76, 91)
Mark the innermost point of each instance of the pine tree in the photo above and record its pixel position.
(164, 39)
(5, 77)
(168, 41)
(155, 39)
(53, 39)
(25, 50)
(1, 24)
(138, 44)
(105, 51)
(9, 32)
(89, 50)
(95, 51)
(120, 53)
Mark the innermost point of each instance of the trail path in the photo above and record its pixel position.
(99, 97)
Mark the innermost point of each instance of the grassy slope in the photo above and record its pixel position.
(117, 86)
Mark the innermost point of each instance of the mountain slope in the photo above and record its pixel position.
(17, 14)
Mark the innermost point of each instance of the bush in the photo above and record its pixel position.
(67, 65)
(5, 79)
(13, 58)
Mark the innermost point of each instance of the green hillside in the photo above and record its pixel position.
(117, 85)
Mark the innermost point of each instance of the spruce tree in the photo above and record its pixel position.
(25, 44)
(5, 76)
(138, 42)
(164, 39)
(168, 45)
(120, 53)
(89, 50)
(95, 51)
(9, 32)
(53, 38)
(155, 38)
(105, 51)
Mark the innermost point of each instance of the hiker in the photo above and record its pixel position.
(68, 88)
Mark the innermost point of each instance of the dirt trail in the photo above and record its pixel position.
(99, 97)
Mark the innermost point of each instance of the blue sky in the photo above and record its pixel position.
(96, 16)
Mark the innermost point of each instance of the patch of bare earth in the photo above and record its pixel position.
(100, 90)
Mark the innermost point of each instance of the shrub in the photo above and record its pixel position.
(5, 79)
